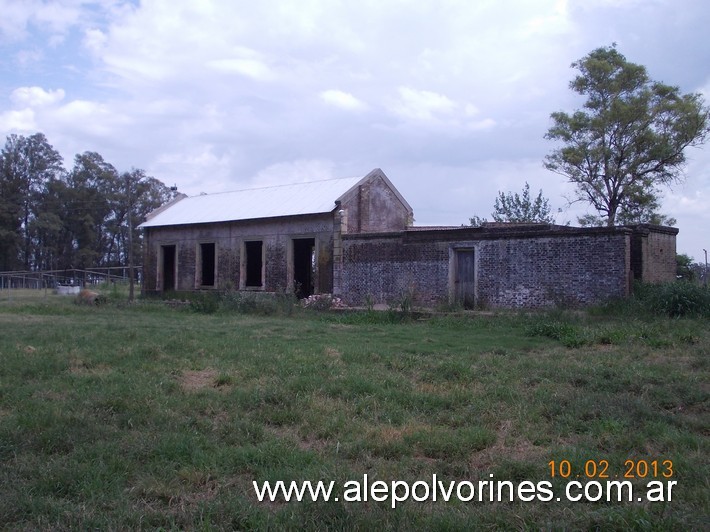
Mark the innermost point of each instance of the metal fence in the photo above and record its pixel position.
(46, 279)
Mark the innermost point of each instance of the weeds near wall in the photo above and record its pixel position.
(280, 303)
(679, 299)
(580, 330)
(263, 304)
(204, 302)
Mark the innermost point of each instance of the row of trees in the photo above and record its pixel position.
(625, 144)
(52, 218)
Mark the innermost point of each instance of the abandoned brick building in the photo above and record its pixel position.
(354, 238)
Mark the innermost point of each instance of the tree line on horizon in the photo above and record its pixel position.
(53, 218)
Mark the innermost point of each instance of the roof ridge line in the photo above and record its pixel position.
(274, 186)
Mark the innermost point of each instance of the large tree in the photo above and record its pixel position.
(26, 164)
(94, 194)
(628, 140)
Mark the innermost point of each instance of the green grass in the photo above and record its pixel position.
(143, 416)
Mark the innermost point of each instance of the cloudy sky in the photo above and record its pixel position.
(451, 98)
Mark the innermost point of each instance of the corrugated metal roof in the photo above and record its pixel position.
(284, 200)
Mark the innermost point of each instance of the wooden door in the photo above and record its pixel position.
(465, 278)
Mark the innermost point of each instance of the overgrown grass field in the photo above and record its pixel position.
(144, 416)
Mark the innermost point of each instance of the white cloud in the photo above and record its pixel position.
(90, 118)
(436, 111)
(471, 110)
(344, 100)
(249, 67)
(189, 169)
(36, 96)
(553, 21)
(20, 121)
(95, 40)
(422, 104)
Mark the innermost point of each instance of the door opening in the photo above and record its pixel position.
(304, 266)
(208, 259)
(168, 267)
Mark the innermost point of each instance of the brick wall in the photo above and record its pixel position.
(515, 268)
(384, 269)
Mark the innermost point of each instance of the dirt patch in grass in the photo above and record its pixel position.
(519, 451)
(392, 434)
(333, 354)
(194, 380)
(307, 443)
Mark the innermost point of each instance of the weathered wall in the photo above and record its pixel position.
(229, 237)
(516, 268)
(653, 253)
(374, 207)
(385, 268)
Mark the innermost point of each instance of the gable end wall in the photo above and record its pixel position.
(373, 207)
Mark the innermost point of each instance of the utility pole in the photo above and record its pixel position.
(130, 238)
(706, 268)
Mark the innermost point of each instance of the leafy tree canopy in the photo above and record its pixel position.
(684, 267)
(517, 208)
(51, 218)
(627, 141)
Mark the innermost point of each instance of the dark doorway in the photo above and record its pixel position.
(207, 254)
(304, 266)
(169, 264)
(254, 263)
(465, 278)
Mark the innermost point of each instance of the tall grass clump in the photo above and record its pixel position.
(677, 299)
(569, 334)
(204, 302)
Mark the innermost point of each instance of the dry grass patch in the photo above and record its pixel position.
(506, 448)
(195, 380)
(388, 434)
(78, 366)
(51, 395)
(304, 443)
(333, 354)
